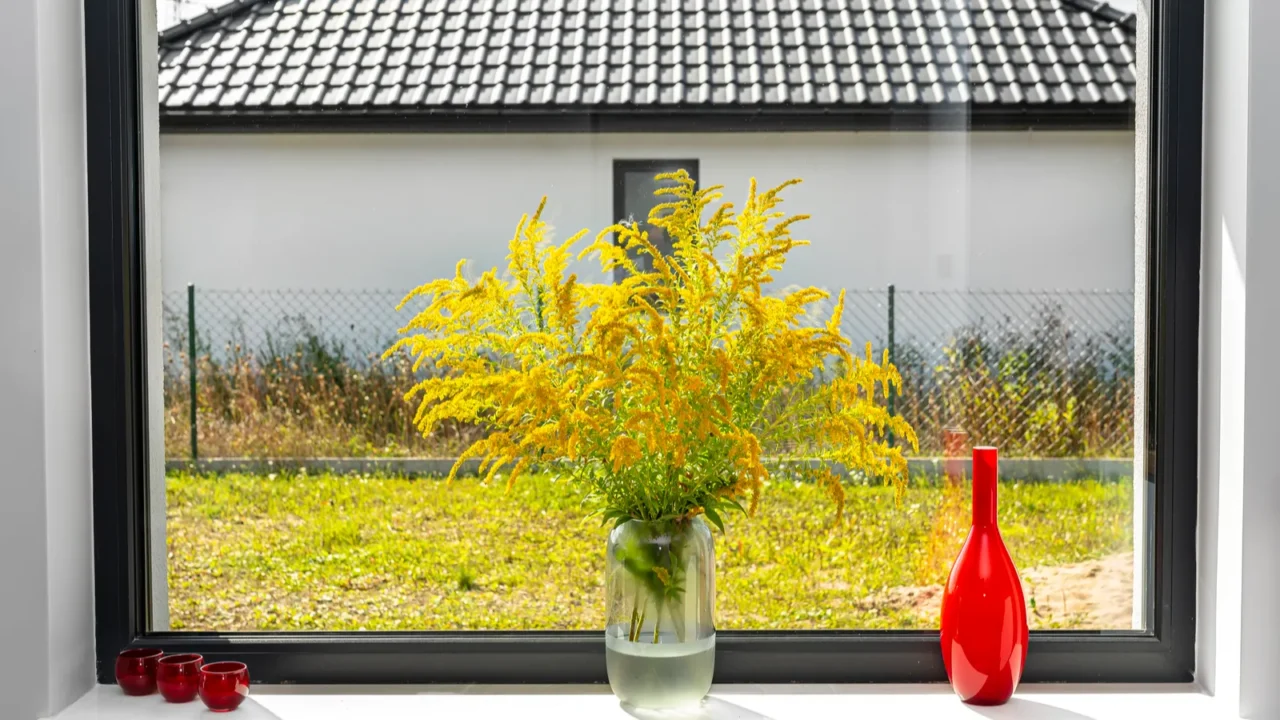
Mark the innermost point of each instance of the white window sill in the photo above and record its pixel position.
(727, 702)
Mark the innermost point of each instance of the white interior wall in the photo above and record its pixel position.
(1260, 526)
(65, 303)
(30, 523)
(46, 597)
(24, 619)
(1222, 330)
(46, 558)
(924, 210)
(1238, 633)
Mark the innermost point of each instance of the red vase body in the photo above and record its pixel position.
(984, 616)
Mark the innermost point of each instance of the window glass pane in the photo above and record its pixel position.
(638, 199)
(636, 186)
(969, 180)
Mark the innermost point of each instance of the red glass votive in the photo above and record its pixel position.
(224, 685)
(178, 677)
(136, 670)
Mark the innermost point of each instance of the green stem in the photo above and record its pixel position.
(657, 622)
(640, 626)
(635, 613)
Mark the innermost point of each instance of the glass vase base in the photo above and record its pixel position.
(662, 675)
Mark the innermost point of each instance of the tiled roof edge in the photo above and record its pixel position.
(680, 119)
(1128, 21)
(203, 20)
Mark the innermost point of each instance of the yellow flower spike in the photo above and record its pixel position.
(685, 375)
(642, 420)
(466, 455)
(516, 472)
(833, 325)
(542, 204)
(625, 452)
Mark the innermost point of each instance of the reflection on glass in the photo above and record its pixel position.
(969, 177)
(635, 185)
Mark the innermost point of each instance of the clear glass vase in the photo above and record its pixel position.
(660, 637)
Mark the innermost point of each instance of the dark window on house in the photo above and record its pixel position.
(634, 185)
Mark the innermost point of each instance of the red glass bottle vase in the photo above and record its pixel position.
(984, 616)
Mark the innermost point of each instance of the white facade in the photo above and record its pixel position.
(923, 210)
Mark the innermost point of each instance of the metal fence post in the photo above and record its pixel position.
(893, 392)
(191, 366)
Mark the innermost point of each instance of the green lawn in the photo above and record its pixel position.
(328, 552)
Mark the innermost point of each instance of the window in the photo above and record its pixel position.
(633, 198)
(259, 484)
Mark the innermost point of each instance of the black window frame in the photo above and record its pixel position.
(623, 166)
(1162, 653)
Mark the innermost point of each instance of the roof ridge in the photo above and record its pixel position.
(1106, 11)
(204, 19)
(191, 25)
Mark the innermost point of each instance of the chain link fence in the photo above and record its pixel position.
(1036, 373)
(357, 324)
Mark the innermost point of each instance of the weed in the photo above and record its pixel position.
(466, 580)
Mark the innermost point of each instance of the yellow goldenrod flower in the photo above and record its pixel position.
(671, 392)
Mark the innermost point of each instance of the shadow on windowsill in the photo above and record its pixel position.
(713, 708)
(250, 710)
(1024, 709)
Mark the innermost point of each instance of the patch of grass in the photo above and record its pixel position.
(466, 580)
(330, 552)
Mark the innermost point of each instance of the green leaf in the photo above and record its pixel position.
(714, 517)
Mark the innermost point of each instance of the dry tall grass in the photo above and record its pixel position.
(1022, 393)
(310, 403)
(1025, 393)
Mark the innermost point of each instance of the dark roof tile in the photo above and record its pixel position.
(293, 76)
(274, 58)
(242, 76)
(233, 96)
(207, 97)
(266, 77)
(259, 96)
(277, 54)
(285, 96)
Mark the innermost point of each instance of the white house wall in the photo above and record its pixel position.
(924, 211)
(927, 211)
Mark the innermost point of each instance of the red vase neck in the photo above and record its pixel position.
(984, 486)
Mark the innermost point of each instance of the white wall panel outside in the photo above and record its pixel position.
(924, 210)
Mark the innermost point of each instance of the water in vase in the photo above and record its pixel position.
(662, 675)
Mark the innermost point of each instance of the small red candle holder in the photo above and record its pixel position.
(224, 685)
(178, 677)
(136, 670)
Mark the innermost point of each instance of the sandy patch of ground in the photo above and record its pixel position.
(1097, 594)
